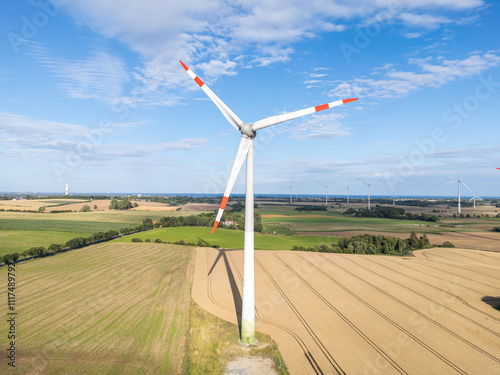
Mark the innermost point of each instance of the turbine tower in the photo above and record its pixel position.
(245, 151)
(348, 189)
(291, 188)
(369, 185)
(326, 193)
(459, 181)
(474, 196)
(66, 190)
(394, 199)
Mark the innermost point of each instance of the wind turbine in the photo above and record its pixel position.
(369, 185)
(394, 199)
(459, 181)
(348, 190)
(245, 151)
(326, 194)
(291, 188)
(474, 196)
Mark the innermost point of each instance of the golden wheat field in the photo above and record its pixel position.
(111, 308)
(365, 314)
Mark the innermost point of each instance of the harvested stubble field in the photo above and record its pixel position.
(106, 309)
(357, 314)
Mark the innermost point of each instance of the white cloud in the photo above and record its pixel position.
(100, 75)
(396, 83)
(320, 126)
(427, 21)
(220, 36)
(24, 138)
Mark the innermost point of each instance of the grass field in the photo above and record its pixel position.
(107, 309)
(12, 241)
(229, 239)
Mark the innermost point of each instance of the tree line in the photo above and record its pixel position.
(75, 243)
(375, 244)
(390, 213)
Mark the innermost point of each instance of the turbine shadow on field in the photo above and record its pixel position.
(232, 282)
(492, 301)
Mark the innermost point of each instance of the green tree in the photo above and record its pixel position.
(41, 210)
(85, 208)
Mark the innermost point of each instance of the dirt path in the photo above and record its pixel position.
(353, 314)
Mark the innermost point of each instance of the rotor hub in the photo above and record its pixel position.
(248, 131)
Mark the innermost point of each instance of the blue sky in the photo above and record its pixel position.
(92, 94)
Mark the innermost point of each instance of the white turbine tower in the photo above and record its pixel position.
(459, 181)
(326, 193)
(369, 185)
(348, 190)
(245, 151)
(291, 188)
(474, 198)
(66, 190)
(394, 199)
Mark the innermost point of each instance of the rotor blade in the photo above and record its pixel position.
(463, 183)
(373, 183)
(273, 120)
(362, 181)
(231, 117)
(462, 171)
(449, 182)
(241, 155)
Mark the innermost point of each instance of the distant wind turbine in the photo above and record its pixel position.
(369, 185)
(474, 196)
(459, 182)
(348, 189)
(245, 151)
(326, 193)
(394, 197)
(291, 189)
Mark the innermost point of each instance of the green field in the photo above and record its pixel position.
(229, 239)
(12, 241)
(107, 309)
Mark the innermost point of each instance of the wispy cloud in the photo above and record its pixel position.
(99, 75)
(35, 139)
(219, 36)
(320, 126)
(430, 73)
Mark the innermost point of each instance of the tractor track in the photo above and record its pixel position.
(303, 346)
(458, 266)
(443, 291)
(433, 301)
(382, 315)
(405, 264)
(449, 331)
(310, 358)
(345, 319)
(461, 254)
(308, 328)
(450, 273)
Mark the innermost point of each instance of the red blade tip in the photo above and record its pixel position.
(349, 100)
(184, 66)
(216, 224)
